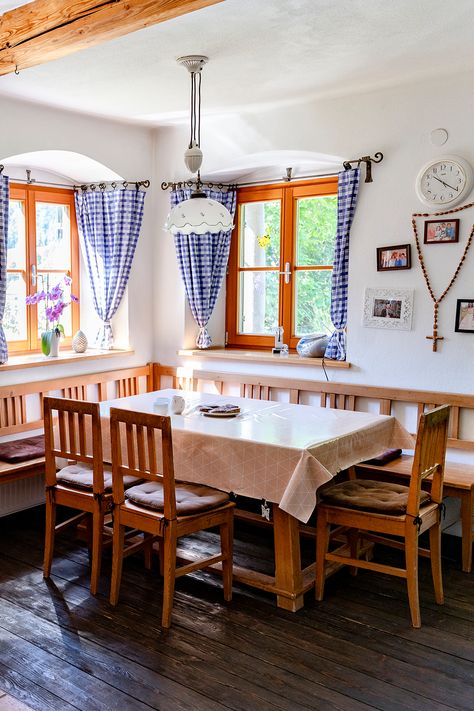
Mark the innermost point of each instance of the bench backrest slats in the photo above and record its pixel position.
(14, 413)
(343, 396)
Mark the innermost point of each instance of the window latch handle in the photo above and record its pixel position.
(33, 275)
(286, 273)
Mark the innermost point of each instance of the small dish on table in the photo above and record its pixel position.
(220, 410)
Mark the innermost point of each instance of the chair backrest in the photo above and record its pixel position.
(72, 431)
(429, 458)
(136, 446)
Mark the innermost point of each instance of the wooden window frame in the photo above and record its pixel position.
(288, 193)
(31, 194)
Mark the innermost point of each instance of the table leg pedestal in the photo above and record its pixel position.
(288, 573)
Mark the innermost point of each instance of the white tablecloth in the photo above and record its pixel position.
(272, 450)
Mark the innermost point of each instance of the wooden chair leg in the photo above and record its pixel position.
(169, 572)
(97, 544)
(411, 558)
(148, 550)
(467, 513)
(353, 538)
(161, 553)
(322, 543)
(436, 570)
(227, 543)
(117, 560)
(49, 535)
(89, 534)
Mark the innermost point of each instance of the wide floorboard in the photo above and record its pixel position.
(62, 649)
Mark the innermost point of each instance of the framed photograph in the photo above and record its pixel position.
(395, 257)
(441, 231)
(465, 316)
(388, 308)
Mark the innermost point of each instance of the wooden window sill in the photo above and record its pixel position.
(261, 357)
(33, 360)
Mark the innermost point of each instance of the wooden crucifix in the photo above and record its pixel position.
(435, 338)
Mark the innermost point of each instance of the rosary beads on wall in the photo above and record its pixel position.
(436, 301)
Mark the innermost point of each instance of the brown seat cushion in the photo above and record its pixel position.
(376, 496)
(190, 498)
(388, 456)
(80, 476)
(21, 450)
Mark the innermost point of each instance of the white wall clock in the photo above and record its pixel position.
(444, 181)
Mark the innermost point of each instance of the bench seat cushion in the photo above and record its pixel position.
(21, 450)
(375, 496)
(79, 476)
(190, 498)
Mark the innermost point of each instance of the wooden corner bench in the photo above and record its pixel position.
(459, 477)
(21, 407)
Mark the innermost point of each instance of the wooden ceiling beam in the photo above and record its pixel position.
(44, 30)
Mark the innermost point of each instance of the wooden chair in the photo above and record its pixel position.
(161, 507)
(72, 432)
(391, 509)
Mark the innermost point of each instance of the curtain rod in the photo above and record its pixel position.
(347, 164)
(86, 186)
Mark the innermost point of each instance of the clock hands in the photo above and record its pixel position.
(445, 184)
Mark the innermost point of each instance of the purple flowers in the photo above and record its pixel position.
(55, 303)
(35, 298)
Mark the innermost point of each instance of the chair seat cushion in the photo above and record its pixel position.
(190, 498)
(375, 496)
(80, 476)
(21, 450)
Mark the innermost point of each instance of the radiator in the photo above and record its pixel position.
(21, 494)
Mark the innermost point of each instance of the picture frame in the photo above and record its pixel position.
(464, 316)
(441, 231)
(390, 309)
(396, 256)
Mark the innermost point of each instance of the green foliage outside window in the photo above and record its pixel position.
(316, 231)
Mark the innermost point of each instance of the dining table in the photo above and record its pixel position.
(276, 452)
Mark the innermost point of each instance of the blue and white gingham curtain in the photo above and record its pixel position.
(4, 204)
(348, 189)
(202, 262)
(109, 224)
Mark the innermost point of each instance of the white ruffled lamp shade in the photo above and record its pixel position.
(199, 215)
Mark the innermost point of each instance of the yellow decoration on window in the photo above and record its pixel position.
(264, 240)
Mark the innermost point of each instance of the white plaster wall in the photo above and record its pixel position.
(128, 150)
(397, 122)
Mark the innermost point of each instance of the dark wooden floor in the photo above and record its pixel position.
(62, 649)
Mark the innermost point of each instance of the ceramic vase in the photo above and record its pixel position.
(50, 342)
(79, 342)
(55, 338)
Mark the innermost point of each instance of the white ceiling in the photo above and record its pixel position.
(262, 52)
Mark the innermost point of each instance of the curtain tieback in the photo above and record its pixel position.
(106, 322)
(340, 330)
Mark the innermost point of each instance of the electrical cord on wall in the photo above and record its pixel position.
(324, 369)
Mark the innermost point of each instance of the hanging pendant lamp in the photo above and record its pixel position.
(199, 214)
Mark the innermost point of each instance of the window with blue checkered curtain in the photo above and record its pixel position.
(109, 223)
(348, 190)
(202, 261)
